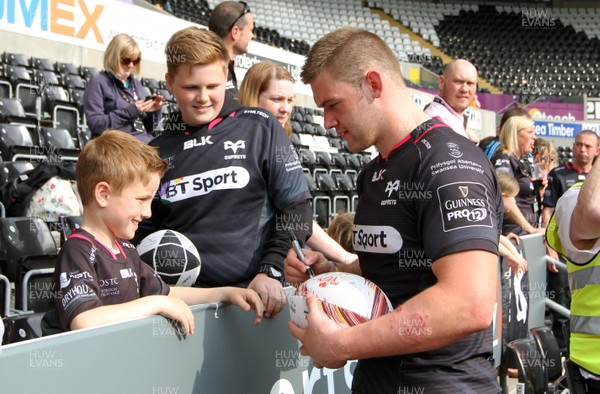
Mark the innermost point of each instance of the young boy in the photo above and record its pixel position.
(234, 183)
(100, 275)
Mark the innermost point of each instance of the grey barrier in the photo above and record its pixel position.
(227, 354)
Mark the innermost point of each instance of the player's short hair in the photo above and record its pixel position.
(195, 46)
(121, 47)
(347, 53)
(118, 159)
(257, 80)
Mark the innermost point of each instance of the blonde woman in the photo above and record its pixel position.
(114, 99)
(517, 139)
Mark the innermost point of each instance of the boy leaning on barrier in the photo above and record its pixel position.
(99, 273)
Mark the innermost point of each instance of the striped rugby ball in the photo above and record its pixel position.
(347, 299)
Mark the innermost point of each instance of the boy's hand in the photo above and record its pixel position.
(245, 299)
(174, 308)
(271, 293)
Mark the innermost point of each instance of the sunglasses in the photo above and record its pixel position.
(244, 12)
(125, 61)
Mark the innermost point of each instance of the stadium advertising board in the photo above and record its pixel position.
(552, 129)
(592, 108)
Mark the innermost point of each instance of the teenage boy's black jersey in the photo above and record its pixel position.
(560, 179)
(233, 187)
(434, 195)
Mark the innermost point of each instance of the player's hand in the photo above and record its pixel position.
(245, 299)
(319, 339)
(295, 270)
(176, 309)
(270, 292)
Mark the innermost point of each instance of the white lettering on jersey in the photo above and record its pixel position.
(233, 177)
(194, 142)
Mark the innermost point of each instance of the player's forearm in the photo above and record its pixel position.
(422, 323)
(418, 326)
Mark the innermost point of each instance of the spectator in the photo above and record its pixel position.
(560, 179)
(458, 84)
(491, 144)
(114, 99)
(574, 232)
(271, 87)
(412, 348)
(117, 179)
(234, 184)
(517, 139)
(234, 23)
(515, 260)
(341, 228)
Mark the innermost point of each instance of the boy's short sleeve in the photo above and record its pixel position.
(77, 281)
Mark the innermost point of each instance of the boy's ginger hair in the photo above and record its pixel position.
(118, 159)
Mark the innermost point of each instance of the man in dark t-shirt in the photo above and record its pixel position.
(426, 232)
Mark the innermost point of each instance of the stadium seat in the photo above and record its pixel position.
(11, 169)
(550, 350)
(39, 63)
(15, 59)
(22, 327)
(29, 255)
(60, 143)
(5, 296)
(68, 225)
(66, 68)
(524, 353)
(16, 143)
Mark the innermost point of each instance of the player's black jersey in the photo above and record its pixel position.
(560, 179)
(434, 195)
(227, 185)
(89, 275)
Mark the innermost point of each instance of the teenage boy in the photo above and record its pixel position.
(99, 273)
(235, 183)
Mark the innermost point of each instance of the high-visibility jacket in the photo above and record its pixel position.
(584, 281)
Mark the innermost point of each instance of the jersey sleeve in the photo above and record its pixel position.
(286, 182)
(77, 280)
(150, 281)
(463, 211)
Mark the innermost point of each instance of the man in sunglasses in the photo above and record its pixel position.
(234, 23)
